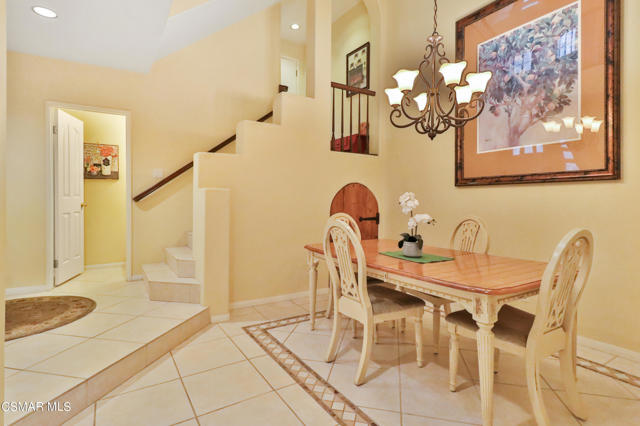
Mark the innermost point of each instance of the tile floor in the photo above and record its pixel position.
(221, 377)
(43, 366)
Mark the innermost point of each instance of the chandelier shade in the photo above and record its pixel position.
(405, 79)
(452, 72)
(394, 95)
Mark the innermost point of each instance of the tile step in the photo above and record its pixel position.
(180, 261)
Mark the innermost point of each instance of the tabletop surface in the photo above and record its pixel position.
(473, 272)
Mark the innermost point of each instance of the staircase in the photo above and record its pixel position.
(173, 281)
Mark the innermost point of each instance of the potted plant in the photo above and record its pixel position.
(411, 242)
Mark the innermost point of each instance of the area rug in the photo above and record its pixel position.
(32, 315)
(344, 411)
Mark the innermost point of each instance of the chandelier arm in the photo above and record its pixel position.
(404, 111)
(419, 126)
(441, 112)
(395, 113)
(461, 121)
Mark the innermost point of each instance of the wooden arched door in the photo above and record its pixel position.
(359, 202)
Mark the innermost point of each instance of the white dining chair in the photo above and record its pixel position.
(551, 330)
(470, 235)
(354, 299)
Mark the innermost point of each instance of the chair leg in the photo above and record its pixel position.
(535, 392)
(330, 303)
(403, 324)
(375, 334)
(567, 369)
(436, 329)
(447, 308)
(365, 355)
(454, 350)
(418, 330)
(332, 352)
(355, 329)
(496, 359)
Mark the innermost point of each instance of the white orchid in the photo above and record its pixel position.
(423, 218)
(408, 202)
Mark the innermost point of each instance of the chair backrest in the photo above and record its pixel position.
(344, 280)
(470, 235)
(349, 221)
(563, 282)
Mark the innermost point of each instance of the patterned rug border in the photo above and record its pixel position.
(338, 406)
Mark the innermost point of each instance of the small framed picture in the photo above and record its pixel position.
(358, 67)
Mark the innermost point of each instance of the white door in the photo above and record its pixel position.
(68, 198)
(289, 74)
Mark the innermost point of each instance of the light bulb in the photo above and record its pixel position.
(549, 126)
(463, 94)
(421, 100)
(568, 122)
(595, 126)
(452, 72)
(395, 96)
(579, 128)
(478, 81)
(405, 79)
(587, 121)
(44, 12)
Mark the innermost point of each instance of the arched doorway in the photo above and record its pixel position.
(358, 201)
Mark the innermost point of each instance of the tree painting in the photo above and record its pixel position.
(536, 74)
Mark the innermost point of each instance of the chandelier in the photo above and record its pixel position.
(445, 102)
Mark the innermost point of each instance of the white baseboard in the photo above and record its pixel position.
(18, 291)
(103, 265)
(135, 278)
(220, 318)
(273, 299)
(609, 348)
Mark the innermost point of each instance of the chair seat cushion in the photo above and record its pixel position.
(513, 324)
(374, 281)
(384, 300)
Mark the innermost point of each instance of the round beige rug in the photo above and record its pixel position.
(32, 315)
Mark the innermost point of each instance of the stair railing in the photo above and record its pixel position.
(357, 142)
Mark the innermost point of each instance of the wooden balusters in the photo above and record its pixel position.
(358, 141)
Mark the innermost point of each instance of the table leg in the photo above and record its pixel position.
(313, 287)
(484, 338)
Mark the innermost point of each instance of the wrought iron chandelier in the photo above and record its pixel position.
(445, 102)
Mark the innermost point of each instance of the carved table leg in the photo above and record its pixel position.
(313, 287)
(484, 337)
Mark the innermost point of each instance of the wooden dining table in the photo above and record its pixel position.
(481, 283)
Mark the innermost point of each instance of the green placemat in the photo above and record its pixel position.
(426, 258)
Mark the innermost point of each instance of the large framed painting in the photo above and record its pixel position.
(552, 106)
(101, 161)
(358, 67)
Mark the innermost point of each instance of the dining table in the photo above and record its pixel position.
(480, 283)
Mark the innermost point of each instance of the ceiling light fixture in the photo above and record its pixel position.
(44, 12)
(446, 102)
(295, 26)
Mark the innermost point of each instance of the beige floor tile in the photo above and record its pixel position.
(132, 306)
(323, 326)
(411, 420)
(280, 310)
(176, 310)
(280, 336)
(309, 346)
(634, 390)
(594, 354)
(160, 371)
(86, 359)
(381, 389)
(305, 407)
(626, 365)
(207, 334)
(195, 358)
(512, 407)
(511, 369)
(33, 349)
(603, 411)
(248, 346)
(29, 386)
(134, 290)
(272, 372)
(234, 328)
(383, 417)
(8, 372)
(246, 314)
(104, 301)
(190, 422)
(91, 325)
(267, 410)
(163, 404)
(223, 386)
(84, 418)
(382, 354)
(141, 329)
(321, 367)
(589, 382)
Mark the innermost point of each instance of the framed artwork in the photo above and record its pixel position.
(101, 161)
(552, 106)
(358, 68)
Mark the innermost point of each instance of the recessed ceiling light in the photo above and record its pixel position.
(44, 12)
(295, 26)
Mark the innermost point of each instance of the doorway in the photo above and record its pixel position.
(289, 71)
(358, 201)
(89, 208)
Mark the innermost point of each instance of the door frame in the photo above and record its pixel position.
(297, 71)
(50, 108)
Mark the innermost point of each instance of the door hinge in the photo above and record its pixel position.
(55, 129)
(55, 263)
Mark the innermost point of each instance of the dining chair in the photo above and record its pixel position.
(354, 299)
(470, 235)
(552, 329)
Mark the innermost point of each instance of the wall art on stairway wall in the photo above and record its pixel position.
(358, 68)
(101, 161)
(552, 110)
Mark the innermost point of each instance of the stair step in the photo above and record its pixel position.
(180, 261)
(164, 285)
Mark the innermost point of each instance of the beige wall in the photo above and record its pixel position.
(348, 32)
(105, 216)
(299, 52)
(527, 220)
(3, 131)
(189, 101)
